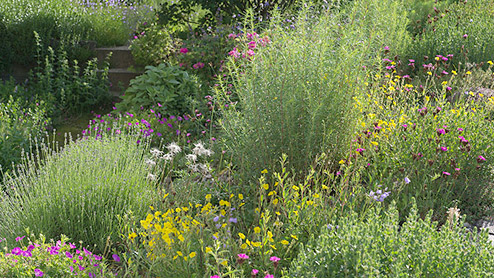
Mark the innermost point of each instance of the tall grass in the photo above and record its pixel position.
(79, 191)
(295, 96)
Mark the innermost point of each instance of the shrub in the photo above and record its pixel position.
(418, 144)
(374, 244)
(462, 29)
(174, 90)
(79, 191)
(50, 259)
(18, 127)
(294, 96)
(153, 46)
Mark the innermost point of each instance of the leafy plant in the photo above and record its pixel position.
(153, 46)
(174, 90)
(374, 245)
(18, 127)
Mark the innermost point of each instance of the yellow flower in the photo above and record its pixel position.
(224, 263)
(454, 72)
(429, 73)
(192, 255)
(316, 195)
(265, 186)
(240, 196)
(132, 236)
(151, 207)
(208, 197)
(181, 238)
(275, 201)
(178, 210)
(295, 187)
(489, 62)
(271, 193)
(284, 242)
(243, 246)
(272, 246)
(294, 237)
(256, 244)
(257, 230)
(242, 236)
(278, 213)
(264, 171)
(374, 143)
(225, 203)
(208, 249)
(468, 73)
(341, 161)
(180, 254)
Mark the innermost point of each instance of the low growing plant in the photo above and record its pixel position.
(376, 245)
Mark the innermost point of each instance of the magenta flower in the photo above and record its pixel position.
(449, 88)
(460, 130)
(96, 257)
(184, 50)
(269, 276)
(440, 131)
(38, 272)
(480, 159)
(116, 258)
(254, 272)
(243, 256)
(465, 36)
(386, 48)
(19, 238)
(250, 53)
(444, 149)
(215, 276)
(446, 173)
(274, 259)
(252, 45)
(68, 255)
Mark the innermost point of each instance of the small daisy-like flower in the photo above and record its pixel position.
(150, 162)
(191, 158)
(156, 153)
(151, 177)
(174, 148)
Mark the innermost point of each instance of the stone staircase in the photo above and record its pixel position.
(121, 64)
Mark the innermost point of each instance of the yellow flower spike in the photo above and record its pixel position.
(265, 186)
(427, 98)
(309, 203)
(192, 255)
(175, 257)
(481, 95)
(257, 230)
(284, 242)
(209, 249)
(240, 196)
(198, 205)
(264, 171)
(468, 73)
(166, 195)
(248, 242)
(275, 201)
(471, 93)
(296, 212)
(242, 236)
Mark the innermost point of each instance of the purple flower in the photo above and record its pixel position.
(19, 238)
(116, 258)
(233, 220)
(38, 272)
(216, 219)
(16, 251)
(96, 257)
(68, 255)
(407, 180)
(184, 50)
(440, 131)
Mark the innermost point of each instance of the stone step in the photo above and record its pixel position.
(120, 78)
(121, 56)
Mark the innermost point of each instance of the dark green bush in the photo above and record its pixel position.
(374, 245)
(171, 90)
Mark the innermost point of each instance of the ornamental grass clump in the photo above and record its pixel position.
(294, 94)
(78, 191)
(375, 245)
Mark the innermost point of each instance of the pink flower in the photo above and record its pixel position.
(480, 159)
(184, 50)
(215, 276)
(234, 53)
(274, 259)
(198, 65)
(465, 36)
(38, 272)
(243, 256)
(232, 36)
(269, 276)
(254, 272)
(444, 149)
(446, 173)
(252, 45)
(251, 53)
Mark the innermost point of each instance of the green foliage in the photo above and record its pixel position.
(50, 259)
(174, 90)
(17, 127)
(66, 87)
(294, 95)
(374, 245)
(461, 29)
(78, 191)
(153, 46)
(421, 145)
